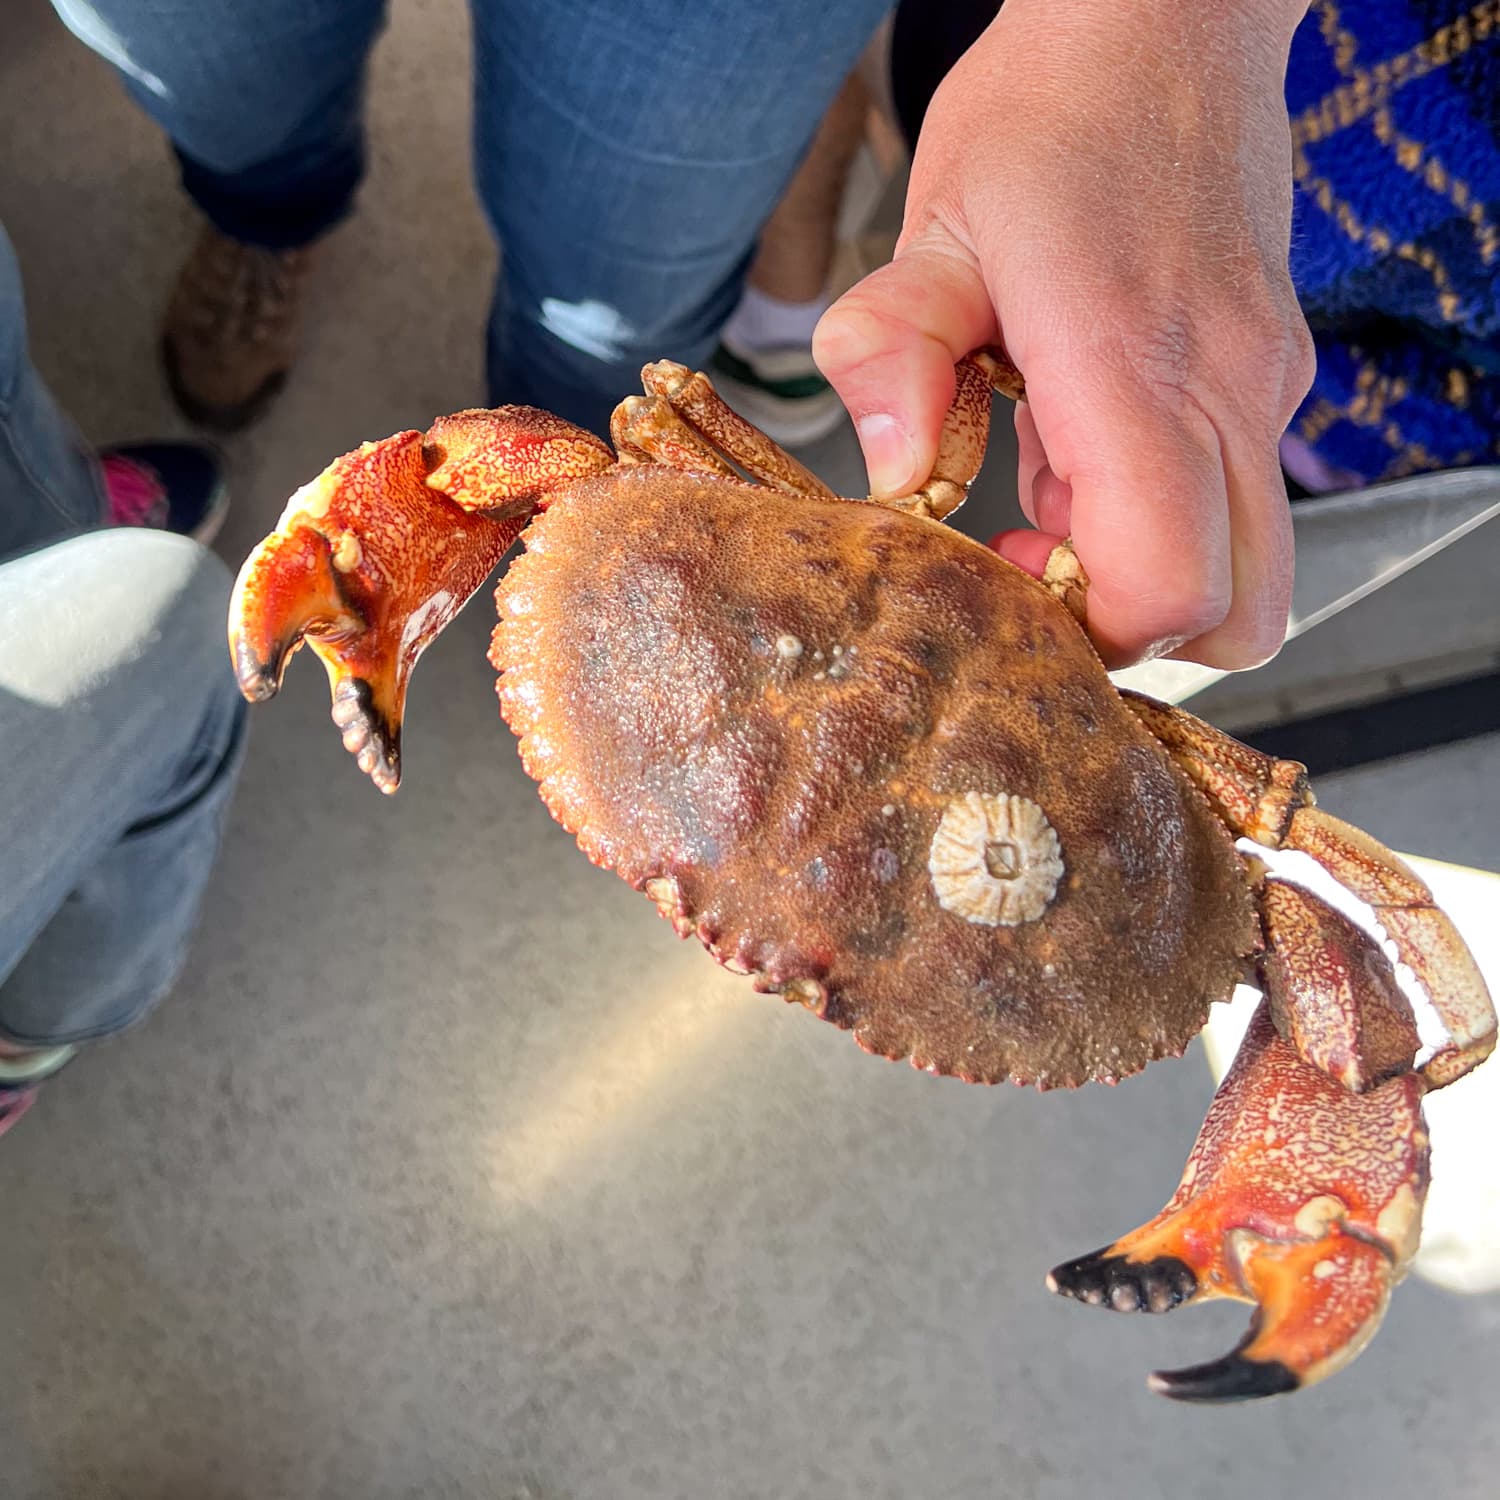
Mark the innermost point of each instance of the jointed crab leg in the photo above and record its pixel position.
(965, 435)
(1269, 801)
(649, 429)
(707, 427)
(1299, 1197)
(692, 396)
(1425, 937)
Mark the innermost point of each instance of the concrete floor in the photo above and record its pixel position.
(449, 1172)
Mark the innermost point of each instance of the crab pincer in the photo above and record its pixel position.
(1300, 1197)
(378, 554)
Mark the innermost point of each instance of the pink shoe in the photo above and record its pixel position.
(169, 486)
(14, 1103)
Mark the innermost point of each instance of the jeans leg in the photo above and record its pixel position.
(121, 731)
(262, 101)
(628, 155)
(49, 480)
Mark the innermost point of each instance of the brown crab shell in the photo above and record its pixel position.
(757, 708)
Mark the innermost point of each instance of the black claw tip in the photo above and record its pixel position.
(1232, 1378)
(258, 680)
(1105, 1280)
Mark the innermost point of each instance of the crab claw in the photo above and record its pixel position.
(1300, 1197)
(368, 563)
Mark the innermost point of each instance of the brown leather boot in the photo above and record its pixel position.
(230, 332)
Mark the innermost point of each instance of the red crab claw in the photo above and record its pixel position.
(1300, 1197)
(373, 558)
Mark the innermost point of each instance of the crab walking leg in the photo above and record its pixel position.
(1269, 801)
(1066, 581)
(376, 555)
(961, 447)
(1300, 1197)
(1423, 934)
(964, 438)
(648, 429)
(691, 394)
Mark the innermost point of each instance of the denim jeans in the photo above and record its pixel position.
(627, 151)
(120, 728)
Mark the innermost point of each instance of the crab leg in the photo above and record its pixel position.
(1424, 936)
(691, 395)
(648, 429)
(711, 431)
(1269, 801)
(965, 436)
(1304, 1192)
(375, 556)
(1300, 1197)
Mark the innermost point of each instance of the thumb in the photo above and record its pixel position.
(888, 347)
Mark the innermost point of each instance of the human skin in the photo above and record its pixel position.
(1104, 187)
(795, 254)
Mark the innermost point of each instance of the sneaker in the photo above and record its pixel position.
(22, 1074)
(779, 390)
(169, 486)
(230, 332)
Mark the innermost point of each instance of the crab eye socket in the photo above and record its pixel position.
(995, 859)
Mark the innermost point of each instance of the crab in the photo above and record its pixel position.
(871, 764)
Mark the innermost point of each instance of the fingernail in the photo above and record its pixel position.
(889, 455)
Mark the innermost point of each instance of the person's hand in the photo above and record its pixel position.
(1104, 187)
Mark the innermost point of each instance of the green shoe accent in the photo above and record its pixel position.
(793, 388)
(34, 1067)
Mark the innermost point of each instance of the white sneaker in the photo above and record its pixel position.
(778, 390)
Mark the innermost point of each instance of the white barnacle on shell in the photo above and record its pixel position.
(995, 859)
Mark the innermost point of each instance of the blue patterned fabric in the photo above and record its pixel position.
(1395, 112)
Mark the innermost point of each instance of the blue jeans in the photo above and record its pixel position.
(120, 728)
(628, 151)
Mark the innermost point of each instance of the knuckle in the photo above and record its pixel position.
(1256, 358)
(1301, 363)
(1268, 356)
(1175, 611)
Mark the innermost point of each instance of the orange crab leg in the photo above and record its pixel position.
(1269, 801)
(379, 553)
(1300, 1197)
(1424, 935)
(688, 424)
